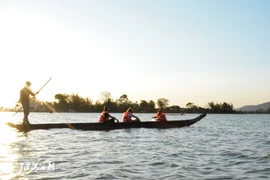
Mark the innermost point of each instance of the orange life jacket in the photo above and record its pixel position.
(161, 117)
(102, 117)
(126, 118)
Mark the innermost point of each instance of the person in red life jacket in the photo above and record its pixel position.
(25, 100)
(160, 116)
(105, 117)
(127, 116)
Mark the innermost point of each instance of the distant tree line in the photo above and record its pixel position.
(75, 103)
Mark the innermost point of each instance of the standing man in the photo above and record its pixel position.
(25, 100)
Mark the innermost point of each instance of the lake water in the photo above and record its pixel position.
(217, 147)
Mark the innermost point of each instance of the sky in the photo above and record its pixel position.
(197, 51)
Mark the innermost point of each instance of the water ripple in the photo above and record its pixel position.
(218, 147)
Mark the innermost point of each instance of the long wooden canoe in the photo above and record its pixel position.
(109, 126)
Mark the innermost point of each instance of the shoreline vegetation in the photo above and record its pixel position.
(76, 103)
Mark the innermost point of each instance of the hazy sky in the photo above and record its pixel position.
(184, 50)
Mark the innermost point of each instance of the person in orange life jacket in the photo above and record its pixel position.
(25, 100)
(105, 117)
(127, 116)
(160, 116)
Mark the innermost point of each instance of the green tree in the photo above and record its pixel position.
(88, 105)
(221, 107)
(151, 106)
(61, 98)
(76, 103)
(226, 107)
(98, 107)
(123, 99)
(123, 103)
(143, 105)
(211, 106)
(108, 101)
(162, 103)
(192, 107)
(61, 104)
(135, 106)
(175, 109)
(189, 105)
(106, 96)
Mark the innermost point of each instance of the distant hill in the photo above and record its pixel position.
(263, 106)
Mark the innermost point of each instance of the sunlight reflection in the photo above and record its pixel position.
(50, 107)
(7, 138)
(7, 134)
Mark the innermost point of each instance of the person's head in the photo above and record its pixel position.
(129, 110)
(105, 108)
(28, 83)
(160, 111)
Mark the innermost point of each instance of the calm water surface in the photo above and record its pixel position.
(217, 147)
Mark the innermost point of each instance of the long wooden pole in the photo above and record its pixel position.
(44, 85)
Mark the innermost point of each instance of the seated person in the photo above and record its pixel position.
(160, 116)
(105, 117)
(127, 116)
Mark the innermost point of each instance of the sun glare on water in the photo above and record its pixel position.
(8, 139)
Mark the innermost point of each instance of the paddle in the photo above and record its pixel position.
(34, 96)
(116, 119)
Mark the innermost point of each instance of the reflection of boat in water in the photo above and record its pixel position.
(110, 126)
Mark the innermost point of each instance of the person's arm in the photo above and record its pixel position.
(31, 92)
(165, 117)
(132, 115)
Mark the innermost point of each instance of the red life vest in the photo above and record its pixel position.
(102, 117)
(126, 117)
(161, 117)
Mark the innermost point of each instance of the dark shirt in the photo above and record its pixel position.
(24, 95)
